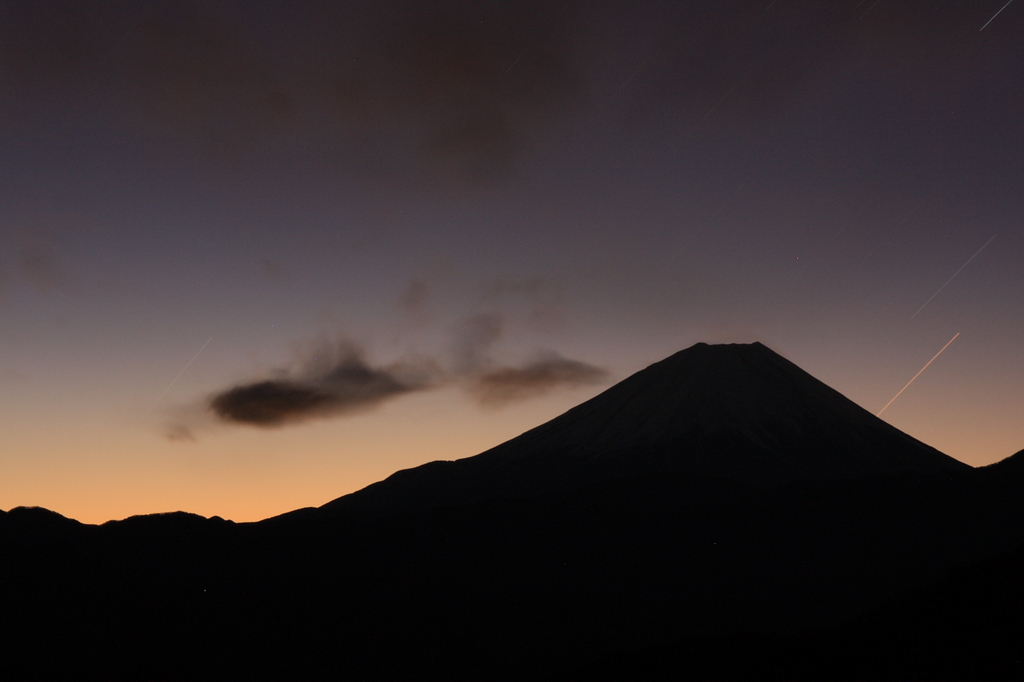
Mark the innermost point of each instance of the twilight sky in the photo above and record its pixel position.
(255, 256)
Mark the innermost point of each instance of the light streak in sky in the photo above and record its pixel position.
(183, 370)
(955, 274)
(630, 77)
(873, 6)
(994, 16)
(719, 102)
(917, 375)
(515, 62)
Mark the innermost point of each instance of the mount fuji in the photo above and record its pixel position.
(739, 412)
(720, 514)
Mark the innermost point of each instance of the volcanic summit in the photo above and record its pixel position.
(734, 411)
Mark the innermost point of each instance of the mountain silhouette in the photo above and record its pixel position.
(966, 627)
(721, 514)
(739, 412)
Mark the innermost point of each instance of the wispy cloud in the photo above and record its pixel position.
(414, 302)
(428, 84)
(39, 266)
(336, 380)
(500, 386)
(495, 385)
(472, 342)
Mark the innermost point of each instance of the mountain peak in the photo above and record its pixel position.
(734, 411)
(746, 396)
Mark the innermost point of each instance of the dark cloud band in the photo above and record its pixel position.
(270, 403)
(341, 384)
(336, 380)
(498, 387)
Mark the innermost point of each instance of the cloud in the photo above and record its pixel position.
(403, 90)
(504, 385)
(178, 432)
(36, 262)
(492, 385)
(270, 403)
(271, 269)
(414, 302)
(336, 381)
(473, 340)
(456, 88)
(541, 298)
(461, 86)
(40, 267)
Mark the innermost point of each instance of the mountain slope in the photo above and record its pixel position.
(722, 495)
(500, 589)
(740, 412)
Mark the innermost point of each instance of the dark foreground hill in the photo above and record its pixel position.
(584, 575)
(967, 627)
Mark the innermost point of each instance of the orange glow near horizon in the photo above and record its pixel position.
(354, 217)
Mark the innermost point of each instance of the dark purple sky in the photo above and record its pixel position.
(397, 232)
